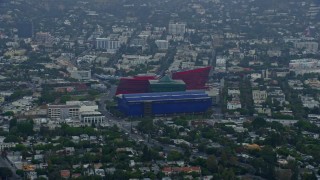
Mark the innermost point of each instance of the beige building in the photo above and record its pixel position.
(1, 99)
(259, 96)
(63, 111)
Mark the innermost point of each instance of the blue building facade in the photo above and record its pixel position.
(165, 103)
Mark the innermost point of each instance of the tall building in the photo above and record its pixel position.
(177, 28)
(101, 43)
(63, 111)
(109, 44)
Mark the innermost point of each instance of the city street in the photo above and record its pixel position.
(125, 127)
(4, 163)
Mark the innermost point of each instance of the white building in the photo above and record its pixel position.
(63, 111)
(90, 117)
(274, 53)
(304, 63)
(308, 46)
(309, 102)
(221, 64)
(4, 145)
(177, 28)
(285, 122)
(84, 106)
(302, 66)
(234, 92)
(259, 96)
(233, 105)
(133, 60)
(72, 109)
(109, 44)
(255, 76)
(81, 75)
(162, 44)
(19, 106)
(1, 99)
(101, 43)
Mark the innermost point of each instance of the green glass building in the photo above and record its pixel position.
(166, 84)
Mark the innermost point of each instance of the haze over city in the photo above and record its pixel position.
(170, 89)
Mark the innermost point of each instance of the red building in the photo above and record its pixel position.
(136, 84)
(195, 78)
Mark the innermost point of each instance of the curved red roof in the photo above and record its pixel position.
(132, 85)
(195, 78)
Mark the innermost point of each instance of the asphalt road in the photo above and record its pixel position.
(4, 163)
(125, 127)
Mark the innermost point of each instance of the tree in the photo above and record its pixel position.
(5, 172)
(12, 123)
(275, 139)
(12, 138)
(307, 176)
(8, 113)
(18, 94)
(65, 98)
(174, 156)
(259, 122)
(187, 154)
(212, 164)
(146, 155)
(25, 128)
(283, 173)
(307, 126)
(146, 126)
(20, 172)
(224, 158)
(268, 155)
(228, 174)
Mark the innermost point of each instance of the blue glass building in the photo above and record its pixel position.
(164, 103)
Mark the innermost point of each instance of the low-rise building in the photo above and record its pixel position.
(309, 102)
(72, 109)
(162, 44)
(259, 96)
(177, 170)
(81, 75)
(233, 105)
(92, 117)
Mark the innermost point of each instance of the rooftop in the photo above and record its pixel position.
(166, 80)
(165, 96)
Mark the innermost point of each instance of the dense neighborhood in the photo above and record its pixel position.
(246, 72)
